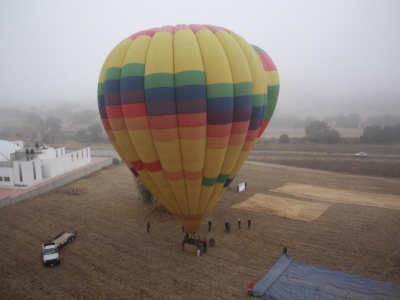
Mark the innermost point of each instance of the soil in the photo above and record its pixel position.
(114, 257)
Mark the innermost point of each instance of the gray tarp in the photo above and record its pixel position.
(291, 280)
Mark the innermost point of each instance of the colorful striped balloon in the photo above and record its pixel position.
(183, 105)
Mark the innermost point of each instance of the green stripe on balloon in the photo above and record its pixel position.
(113, 73)
(190, 78)
(133, 69)
(159, 80)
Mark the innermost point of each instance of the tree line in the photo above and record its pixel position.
(352, 120)
(321, 132)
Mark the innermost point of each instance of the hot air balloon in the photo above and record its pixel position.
(183, 105)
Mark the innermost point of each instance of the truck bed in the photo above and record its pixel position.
(63, 238)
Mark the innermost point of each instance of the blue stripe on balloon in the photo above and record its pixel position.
(111, 86)
(132, 83)
(160, 94)
(191, 92)
(220, 104)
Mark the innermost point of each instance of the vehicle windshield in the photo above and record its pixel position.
(50, 251)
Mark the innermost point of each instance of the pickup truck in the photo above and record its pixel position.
(50, 249)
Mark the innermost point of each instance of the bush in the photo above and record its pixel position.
(116, 161)
(284, 138)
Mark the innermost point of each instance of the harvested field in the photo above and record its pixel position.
(114, 258)
(306, 211)
(384, 168)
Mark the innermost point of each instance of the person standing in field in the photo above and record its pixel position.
(148, 226)
(209, 225)
(239, 224)
(250, 289)
(249, 223)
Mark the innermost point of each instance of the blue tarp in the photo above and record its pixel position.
(291, 280)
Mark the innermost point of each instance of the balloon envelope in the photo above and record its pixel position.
(183, 105)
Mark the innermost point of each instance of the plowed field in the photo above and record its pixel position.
(114, 257)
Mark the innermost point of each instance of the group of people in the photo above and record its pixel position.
(228, 225)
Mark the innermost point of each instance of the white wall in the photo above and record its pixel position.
(68, 162)
(7, 172)
(28, 178)
(51, 163)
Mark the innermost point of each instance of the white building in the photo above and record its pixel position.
(18, 168)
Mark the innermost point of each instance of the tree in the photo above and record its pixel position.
(82, 135)
(350, 121)
(309, 120)
(53, 123)
(27, 152)
(37, 145)
(371, 134)
(86, 116)
(388, 134)
(284, 138)
(320, 132)
(95, 131)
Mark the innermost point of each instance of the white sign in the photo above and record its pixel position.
(241, 186)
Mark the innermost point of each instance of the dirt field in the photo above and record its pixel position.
(114, 258)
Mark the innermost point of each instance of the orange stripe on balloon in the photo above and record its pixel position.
(117, 124)
(174, 176)
(192, 120)
(237, 139)
(165, 135)
(106, 124)
(247, 145)
(163, 122)
(193, 175)
(111, 135)
(139, 123)
(219, 130)
(217, 143)
(195, 133)
(135, 110)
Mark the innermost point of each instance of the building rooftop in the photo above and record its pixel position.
(6, 149)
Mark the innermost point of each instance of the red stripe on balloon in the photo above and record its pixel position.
(263, 126)
(136, 110)
(240, 127)
(167, 28)
(149, 32)
(153, 166)
(114, 112)
(138, 165)
(268, 61)
(197, 27)
(251, 135)
(264, 63)
(215, 29)
(181, 27)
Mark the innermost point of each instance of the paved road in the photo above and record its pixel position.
(316, 155)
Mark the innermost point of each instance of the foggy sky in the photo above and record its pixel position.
(340, 56)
